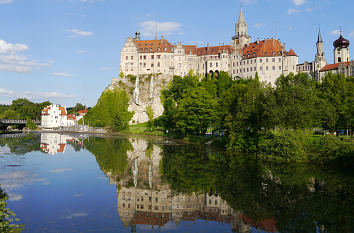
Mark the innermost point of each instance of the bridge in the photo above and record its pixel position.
(16, 122)
(13, 135)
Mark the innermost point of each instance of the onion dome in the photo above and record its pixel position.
(341, 43)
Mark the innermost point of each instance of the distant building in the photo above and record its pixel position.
(313, 68)
(342, 63)
(54, 116)
(240, 59)
(82, 113)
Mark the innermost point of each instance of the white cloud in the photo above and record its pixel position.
(308, 9)
(292, 10)
(351, 34)
(61, 170)
(291, 28)
(76, 33)
(5, 92)
(74, 215)
(5, 1)
(78, 195)
(335, 32)
(11, 61)
(299, 2)
(81, 51)
(12, 181)
(44, 95)
(148, 15)
(62, 74)
(259, 25)
(148, 28)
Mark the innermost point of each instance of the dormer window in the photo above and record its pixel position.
(158, 49)
(150, 49)
(146, 49)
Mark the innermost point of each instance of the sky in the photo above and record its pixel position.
(68, 51)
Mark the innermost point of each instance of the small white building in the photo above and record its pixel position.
(54, 116)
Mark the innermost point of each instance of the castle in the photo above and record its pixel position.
(319, 67)
(240, 59)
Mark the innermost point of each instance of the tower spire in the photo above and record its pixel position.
(241, 18)
(319, 38)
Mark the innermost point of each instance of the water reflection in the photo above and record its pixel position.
(53, 143)
(161, 184)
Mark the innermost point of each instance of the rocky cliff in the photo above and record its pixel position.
(144, 91)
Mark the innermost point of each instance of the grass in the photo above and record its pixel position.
(143, 128)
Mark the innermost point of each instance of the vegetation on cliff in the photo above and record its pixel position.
(111, 111)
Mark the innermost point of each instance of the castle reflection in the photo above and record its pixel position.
(144, 199)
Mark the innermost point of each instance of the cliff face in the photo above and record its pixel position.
(144, 91)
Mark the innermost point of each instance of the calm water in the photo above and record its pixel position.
(78, 183)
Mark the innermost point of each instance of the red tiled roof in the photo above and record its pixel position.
(214, 50)
(190, 49)
(291, 53)
(333, 66)
(268, 225)
(63, 110)
(71, 117)
(83, 111)
(161, 45)
(265, 48)
(150, 218)
(61, 148)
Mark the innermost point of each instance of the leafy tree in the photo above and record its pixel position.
(10, 114)
(150, 114)
(30, 124)
(337, 94)
(195, 112)
(7, 217)
(77, 108)
(111, 111)
(295, 98)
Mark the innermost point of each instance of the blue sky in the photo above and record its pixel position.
(67, 51)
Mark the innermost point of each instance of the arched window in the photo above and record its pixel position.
(339, 59)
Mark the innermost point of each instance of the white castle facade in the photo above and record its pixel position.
(54, 116)
(240, 59)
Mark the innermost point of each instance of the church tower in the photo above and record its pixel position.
(241, 38)
(341, 49)
(320, 60)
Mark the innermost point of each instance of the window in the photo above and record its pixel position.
(126, 58)
(158, 49)
(251, 69)
(150, 49)
(152, 64)
(158, 56)
(144, 64)
(211, 64)
(144, 57)
(132, 57)
(247, 62)
(279, 59)
(273, 67)
(279, 67)
(251, 61)
(216, 64)
(247, 70)
(273, 59)
(266, 67)
(156, 199)
(260, 60)
(158, 64)
(266, 59)
(141, 57)
(152, 56)
(260, 68)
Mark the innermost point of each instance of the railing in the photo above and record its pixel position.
(13, 135)
(17, 122)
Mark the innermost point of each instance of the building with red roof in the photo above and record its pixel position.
(54, 116)
(241, 58)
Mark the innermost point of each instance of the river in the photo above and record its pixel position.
(85, 183)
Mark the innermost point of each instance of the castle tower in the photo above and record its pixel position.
(341, 49)
(320, 60)
(241, 38)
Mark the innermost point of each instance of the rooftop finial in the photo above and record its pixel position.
(340, 30)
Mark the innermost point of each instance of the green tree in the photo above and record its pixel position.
(111, 111)
(30, 124)
(77, 108)
(296, 101)
(150, 114)
(195, 112)
(337, 94)
(7, 217)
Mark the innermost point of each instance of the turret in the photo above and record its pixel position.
(241, 38)
(341, 49)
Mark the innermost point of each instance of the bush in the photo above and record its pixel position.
(286, 145)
